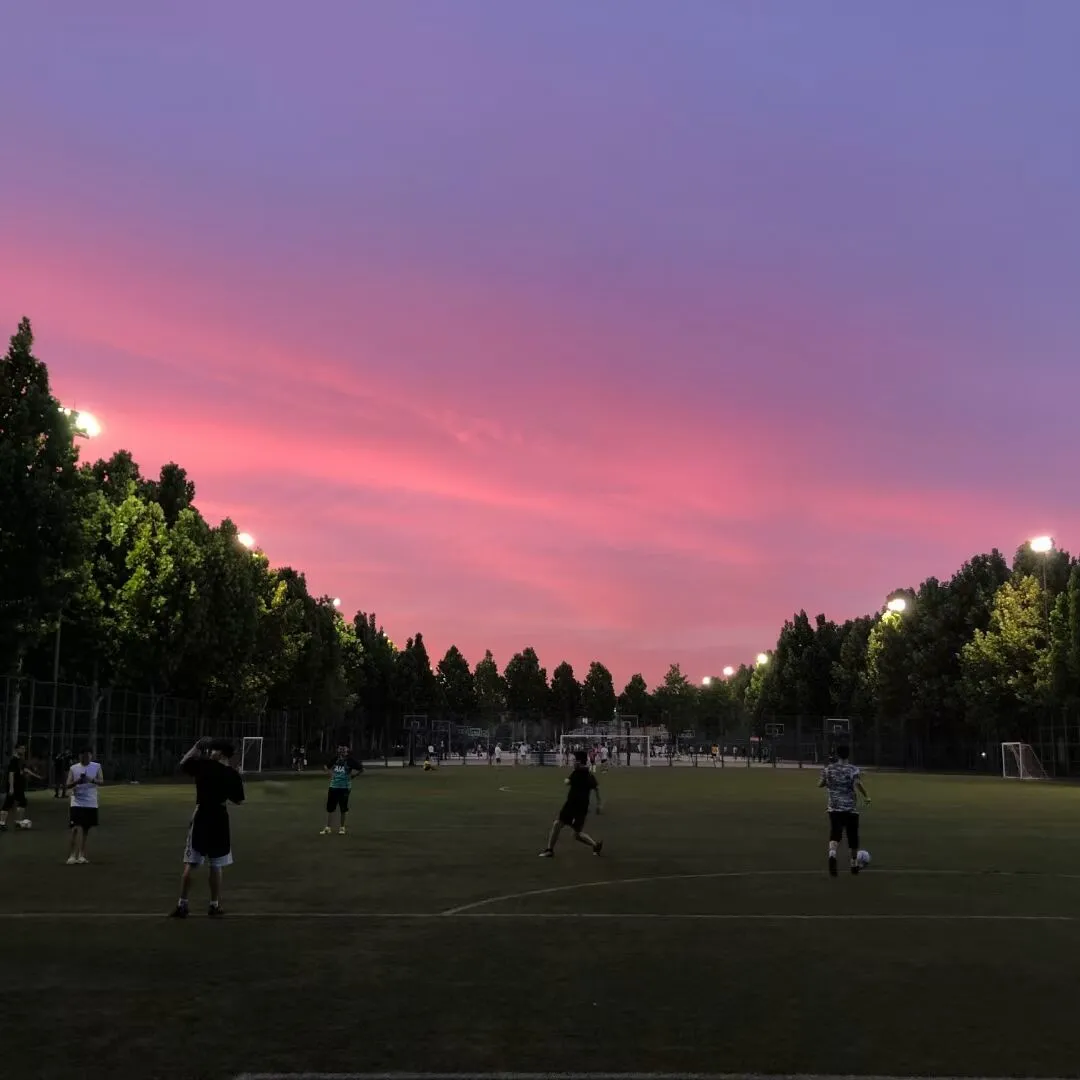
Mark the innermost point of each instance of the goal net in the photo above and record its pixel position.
(621, 749)
(251, 754)
(1020, 762)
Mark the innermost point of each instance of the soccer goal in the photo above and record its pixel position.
(251, 754)
(1020, 762)
(618, 744)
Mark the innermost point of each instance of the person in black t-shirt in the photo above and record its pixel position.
(208, 839)
(15, 788)
(582, 782)
(61, 764)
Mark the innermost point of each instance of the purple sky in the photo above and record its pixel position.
(620, 329)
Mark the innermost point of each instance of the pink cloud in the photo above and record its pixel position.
(475, 477)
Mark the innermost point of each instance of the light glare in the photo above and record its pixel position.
(728, 671)
(1042, 544)
(246, 540)
(897, 605)
(762, 658)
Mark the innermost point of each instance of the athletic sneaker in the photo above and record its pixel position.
(832, 865)
(325, 832)
(547, 853)
(71, 860)
(598, 847)
(341, 831)
(82, 860)
(215, 912)
(855, 868)
(178, 912)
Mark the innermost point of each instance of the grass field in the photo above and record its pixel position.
(707, 938)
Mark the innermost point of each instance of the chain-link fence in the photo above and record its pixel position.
(135, 735)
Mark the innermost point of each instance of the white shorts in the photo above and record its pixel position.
(218, 862)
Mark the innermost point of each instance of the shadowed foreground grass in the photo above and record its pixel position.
(335, 955)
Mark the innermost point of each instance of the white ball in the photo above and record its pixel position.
(863, 858)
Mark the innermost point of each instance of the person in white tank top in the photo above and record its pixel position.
(83, 781)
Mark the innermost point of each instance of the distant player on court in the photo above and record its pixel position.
(15, 788)
(83, 780)
(576, 808)
(208, 839)
(341, 772)
(844, 784)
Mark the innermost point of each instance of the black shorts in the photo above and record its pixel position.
(841, 821)
(337, 799)
(83, 817)
(11, 801)
(574, 816)
(209, 832)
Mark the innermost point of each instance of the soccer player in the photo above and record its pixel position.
(582, 782)
(208, 839)
(15, 788)
(341, 771)
(84, 778)
(61, 765)
(844, 784)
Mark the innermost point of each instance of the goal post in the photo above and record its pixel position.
(619, 744)
(1020, 762)
(251, 754)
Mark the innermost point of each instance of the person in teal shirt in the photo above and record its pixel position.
(341, 770)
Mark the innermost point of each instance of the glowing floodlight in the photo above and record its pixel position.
(762, 658)
(897, 605)
(728, 671)
(246, 540)
(1042, 544)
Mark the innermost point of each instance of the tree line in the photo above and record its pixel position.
(149, 595)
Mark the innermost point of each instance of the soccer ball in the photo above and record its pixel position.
(863, 858)
(24, 824)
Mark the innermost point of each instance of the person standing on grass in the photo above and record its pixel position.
(582, 782)
(15, 788)
(341, 771)
(61, 765)
(844, 784)
(84, 778)
(208, 838)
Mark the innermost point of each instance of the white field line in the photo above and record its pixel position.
(553, 889)
(580, 1076)
(537, 916)
(472, 910)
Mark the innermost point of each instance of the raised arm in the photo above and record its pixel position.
(195, 752)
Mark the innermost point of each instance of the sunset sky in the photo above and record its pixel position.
(620, 329)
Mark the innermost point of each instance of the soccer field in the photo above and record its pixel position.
(708, 938)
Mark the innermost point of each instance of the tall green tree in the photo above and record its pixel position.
(456, 685)
(634, 699)
(565, 696)
(41, 539)
(674, 700)
(172, 491)
(1007, 667)
(598, 698)
(526, 683)
(490, 686)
